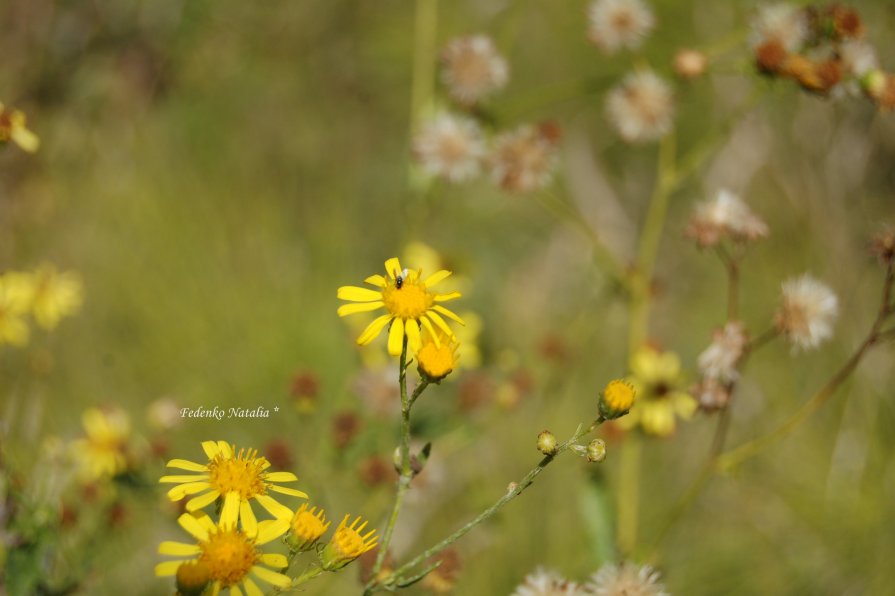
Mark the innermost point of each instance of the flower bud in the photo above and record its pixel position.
(192, 578)
(547, 443)
(616, 399)
(347, 544)
(596, 451)
(308, 525)
(690, 64)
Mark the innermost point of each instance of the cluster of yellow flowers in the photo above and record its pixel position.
(227, 553)
(45, 293)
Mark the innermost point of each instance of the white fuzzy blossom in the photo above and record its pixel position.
(473, 69)
(626, 579)
(807, 312)
(450, 147)
(641, 108)
(726, 215)
(719, 360)
(783, 23)
(616, 24)
(523, 159)
(547, 583)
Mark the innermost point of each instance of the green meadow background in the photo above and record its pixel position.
(215, 170)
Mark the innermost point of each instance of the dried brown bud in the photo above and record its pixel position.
(882, 246)
(845, 22)
(770, 56)
(346, 426)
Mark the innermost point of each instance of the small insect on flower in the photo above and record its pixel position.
(641, 108)
(450, 147)
(626, 579)
(409, 302)
(228, 557)
(13, 128)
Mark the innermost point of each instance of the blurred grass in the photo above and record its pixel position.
(216, 170)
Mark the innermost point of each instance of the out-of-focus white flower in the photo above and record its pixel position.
(641, 108)
(725, 216)
(719, 360)
(163, 414)
(523, 160)
(616, 24)
(547, 583)
(781, 22)
(626, 579)
(473, 69)
(450, 147)
(807, 312)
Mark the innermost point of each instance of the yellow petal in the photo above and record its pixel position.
(271, 529)
(193, 527)
(356, 294)
(440, 323)
(280, 477)
(272, 577)
(251, 587)
(247, 517)
(376, 280)
(684, 404)
(25, 139)
(211, 449)
(393, 267)
(428, 325)
(190, 488)
(230, 511)
(449, 314)
(167, 568)
(396, 337)
(412, 329)
(373, 330)
(183, 464)
(436, 278)
(183, 478)
(225, 449)
(277, 561)
(274, 507)
(350, 309)
(287, 491)
(447, 297)
(202, 500)
(178, 549)
(235, 591)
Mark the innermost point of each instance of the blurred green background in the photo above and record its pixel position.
(215, 170)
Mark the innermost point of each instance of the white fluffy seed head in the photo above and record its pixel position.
(547, 583)
(725, 216)
(617, 24)
(641, 108)
(523, 159)
(473, 69)
(807, 311)
(719, 361)
(781, 22)
(626, 579)
(450, 147)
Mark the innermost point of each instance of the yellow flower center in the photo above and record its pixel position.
(410, 301)
(240, 474)
(619, 395)
(436, 362)
(229, 556)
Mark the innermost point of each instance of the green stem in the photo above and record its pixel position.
(515, 490)
(307, 576)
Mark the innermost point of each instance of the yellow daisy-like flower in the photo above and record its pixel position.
(54, 295)
(347, 544)
(15, 296)
(13, 128)
(657, 380)
(616, 399)
(229, 556)
(409, 302)
(437, 357)
(308, 525)
(103, 452)
(236, 477)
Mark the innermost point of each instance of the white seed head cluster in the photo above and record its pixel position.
(641, 108)
(547, 583)
(782, 23)
(626, 579)
(523, 159)
(719, 360)
(725, 216)
(450, 147)
(617, 24)
(807, 312)
(473, 69)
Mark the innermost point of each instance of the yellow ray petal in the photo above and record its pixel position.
(277, 561)
(226, 450)
(396, 337)
(447, 297)
(193, 527)
(247, 518)
(428, 325)
(356, 294)
(440, 322)
(274, 507)
(436, 278)
(187, 465)
(271, 577)
(183, 478)
(350, 309)
(412, 329)
(376, 280)
(287, 491)
(373, 330)
(178, 549)
(167, 568)
(235, 591)
(280, 477)
(271, 529)
(251, 587)
(210, 448)
(393, 267)
(230, 511)
(202, 500)
(190, 488)
(449, 314)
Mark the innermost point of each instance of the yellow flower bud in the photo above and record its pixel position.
(192, 578)
(308, 525)
(547, 443)
(616, 399)
(596, 451)
(347, 544)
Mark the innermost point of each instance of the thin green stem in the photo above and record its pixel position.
(515, 489)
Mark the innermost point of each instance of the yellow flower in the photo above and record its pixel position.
(54, 295)
(236, 477)
(12, 127)
(437, 357)
(409, 302)
(15, 293)
(103, 452)
(347, 544)
(616, 399)
(228, 555)
(308, 525)
(656, 378)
